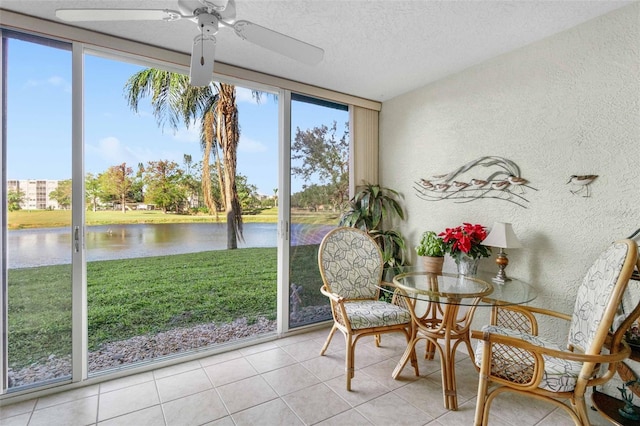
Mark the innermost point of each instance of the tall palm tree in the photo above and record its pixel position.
(208, 144)
(176, 102)
(228, 137)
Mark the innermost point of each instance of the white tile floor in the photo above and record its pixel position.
(283, 382)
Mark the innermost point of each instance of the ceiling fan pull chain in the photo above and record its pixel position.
(201, 46)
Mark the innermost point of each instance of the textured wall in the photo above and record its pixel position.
(565, 105)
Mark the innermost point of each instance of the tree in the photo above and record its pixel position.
(62, 194)
(116, 182)
(228, 137)
(190, 183)
(175, 101)
(311, 197)
(136, 193)
(14, 199)
(247, 193)
(324, 158)
(188, 161)
(92, 190)
(164, 188)
(209, 145)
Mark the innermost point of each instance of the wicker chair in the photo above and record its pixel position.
(351, 266)
(512, 355)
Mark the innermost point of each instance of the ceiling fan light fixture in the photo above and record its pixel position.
(202, 58)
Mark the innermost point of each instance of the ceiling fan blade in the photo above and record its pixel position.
(76, 15)
(202, 58)
(278, 42)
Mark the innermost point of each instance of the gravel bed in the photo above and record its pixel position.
(141, 348)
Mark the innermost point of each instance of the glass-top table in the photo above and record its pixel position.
(462, 290)
(442, 307)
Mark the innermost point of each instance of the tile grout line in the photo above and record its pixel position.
(155, 385)
(98, 404)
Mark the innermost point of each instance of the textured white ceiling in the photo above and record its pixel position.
(373, 49)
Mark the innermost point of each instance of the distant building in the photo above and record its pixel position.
(36, 193)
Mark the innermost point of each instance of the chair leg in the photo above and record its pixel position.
(483, 384)
(326, 343)
(349, 361)
(580, 408)
(480, 406)
(378, 340)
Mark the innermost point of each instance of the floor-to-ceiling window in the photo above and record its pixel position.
(160, 277)
(319, 191)
(36, 211)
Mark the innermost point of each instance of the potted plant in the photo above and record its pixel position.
(432, 250)
(372, 207)
(464, 244)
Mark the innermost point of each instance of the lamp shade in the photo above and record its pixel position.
(502, 236)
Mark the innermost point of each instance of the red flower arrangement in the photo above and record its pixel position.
(465, 240)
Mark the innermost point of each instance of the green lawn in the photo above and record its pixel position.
(132, 297)
(23, 219)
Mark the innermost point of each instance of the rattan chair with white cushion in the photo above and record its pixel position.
(351, 266)
(517, 360)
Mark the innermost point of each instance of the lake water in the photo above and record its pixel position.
(52, 246)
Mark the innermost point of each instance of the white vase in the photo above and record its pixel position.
(467, 265)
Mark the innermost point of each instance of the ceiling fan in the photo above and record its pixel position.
(209, 16)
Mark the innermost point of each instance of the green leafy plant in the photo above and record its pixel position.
(392, 245)
(370, 205)
(370, 208)
(431, 245)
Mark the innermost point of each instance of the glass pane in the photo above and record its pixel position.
(319, 188)
(37, 75)
(161, 278)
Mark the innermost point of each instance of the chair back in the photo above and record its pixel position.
(629, 309)
(600, 294)
(350, 263)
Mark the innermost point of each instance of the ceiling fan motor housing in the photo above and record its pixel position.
(208, 24)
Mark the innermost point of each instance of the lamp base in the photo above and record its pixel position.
(502, 262)
(499, 280)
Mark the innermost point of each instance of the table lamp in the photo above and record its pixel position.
(501, 236)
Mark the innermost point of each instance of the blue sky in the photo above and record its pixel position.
(39, 125)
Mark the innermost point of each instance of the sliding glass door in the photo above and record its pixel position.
(36, 211)
(319, 190)
(162, 277)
